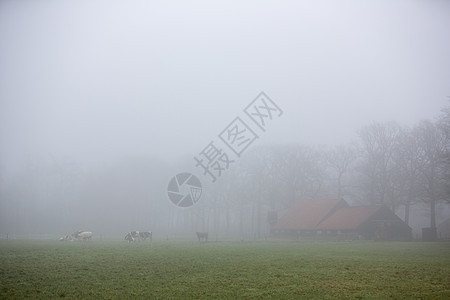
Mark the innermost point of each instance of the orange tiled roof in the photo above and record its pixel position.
(307, 214)
(349, 217)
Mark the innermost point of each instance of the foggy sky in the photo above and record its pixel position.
(100, 80)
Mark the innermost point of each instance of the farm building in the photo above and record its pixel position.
(335, 218)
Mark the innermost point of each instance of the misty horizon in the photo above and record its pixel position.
(97, 91)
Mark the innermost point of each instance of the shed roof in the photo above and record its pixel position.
(349, 217)
(307, 214)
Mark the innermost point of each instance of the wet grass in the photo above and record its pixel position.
(161, 270)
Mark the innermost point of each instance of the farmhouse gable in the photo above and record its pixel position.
(334, 217)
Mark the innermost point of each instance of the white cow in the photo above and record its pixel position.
(82, 235)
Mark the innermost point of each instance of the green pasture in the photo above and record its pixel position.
(225, 270)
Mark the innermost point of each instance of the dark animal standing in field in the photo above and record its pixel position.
(202, 235)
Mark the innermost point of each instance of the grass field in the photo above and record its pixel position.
(281, 270)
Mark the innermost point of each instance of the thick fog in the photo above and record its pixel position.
(102, 102)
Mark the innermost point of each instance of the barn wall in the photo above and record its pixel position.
(385, 225)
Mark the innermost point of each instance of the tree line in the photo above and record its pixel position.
(388, 164)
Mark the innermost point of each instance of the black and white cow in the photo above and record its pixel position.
(138, 236)
(129, 237)
(143, 235)
(66, 238)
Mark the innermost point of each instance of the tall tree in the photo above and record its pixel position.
(444, 125)
(259, 166)
(407, 160)
(340, 159)
(378, 143)
(433, 147)
(302, 171)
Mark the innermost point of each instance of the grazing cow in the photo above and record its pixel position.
(66, 238)
(143, 235)
(202, 235)
(82, 235)
(75, 234)
(138, 236)
(129, 238)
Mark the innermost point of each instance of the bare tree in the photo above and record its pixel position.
(444, 126)
(301, 170)
(340, 160)
(406, 174)
(378, 145)
(433, 147)
(259, 166)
